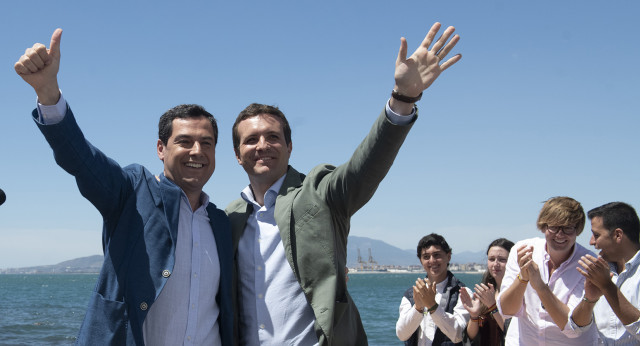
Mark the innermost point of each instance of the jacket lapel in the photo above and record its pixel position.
(170, 197)
(283, 214)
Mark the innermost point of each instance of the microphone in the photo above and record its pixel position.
(3, 197)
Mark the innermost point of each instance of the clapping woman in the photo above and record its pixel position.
(486, 326)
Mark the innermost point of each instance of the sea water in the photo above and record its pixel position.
(48, 309)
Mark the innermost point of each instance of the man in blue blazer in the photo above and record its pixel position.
(167, 272)
(290, 229)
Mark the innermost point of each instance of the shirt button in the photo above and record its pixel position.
(259, 267)
(261, 326)
(260, 295)
(144, 306)
(166, 273)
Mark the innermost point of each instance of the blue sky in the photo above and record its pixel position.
(543, 103)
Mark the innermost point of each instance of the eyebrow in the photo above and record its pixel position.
(178, 137)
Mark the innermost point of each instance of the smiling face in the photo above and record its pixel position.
(603, 240)
(189, 155)
(435, 262)
(497, 262)
(262, 150)
(560, 243)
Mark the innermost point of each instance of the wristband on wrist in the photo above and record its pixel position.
(475, 319)
(521, 279)
(492, 309)
(408, 99)
(590, 301)
(431, 309)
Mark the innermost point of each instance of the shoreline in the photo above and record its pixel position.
(406, 272)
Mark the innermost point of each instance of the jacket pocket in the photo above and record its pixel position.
(105, 323)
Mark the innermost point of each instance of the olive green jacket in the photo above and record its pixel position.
(313, 215)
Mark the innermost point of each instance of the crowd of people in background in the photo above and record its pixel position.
(548, 290)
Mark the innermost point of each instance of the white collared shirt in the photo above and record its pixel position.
(611, 331)
(452, 325)
(533, 325)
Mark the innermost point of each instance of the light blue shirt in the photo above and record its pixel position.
(185, 312)
(274, 308)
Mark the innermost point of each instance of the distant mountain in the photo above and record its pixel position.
(381, 252)
(469, 257)
(386, 254)
(82, 265)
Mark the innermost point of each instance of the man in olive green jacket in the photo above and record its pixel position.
(290, 230)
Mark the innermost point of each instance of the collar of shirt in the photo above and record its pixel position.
(629, 268)
(547, 257)
(269, 196)
(204, 198)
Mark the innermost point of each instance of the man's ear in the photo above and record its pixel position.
(617, 235)
(160, 148)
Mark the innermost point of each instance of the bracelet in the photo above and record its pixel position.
(431, 309)
(479, 320)
(408, 99)
(492, 309)
(521, 279)
(584, 299)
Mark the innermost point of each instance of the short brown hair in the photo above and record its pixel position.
(561, 211)
(254, 110)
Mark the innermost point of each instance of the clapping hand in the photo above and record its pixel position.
(596, 271)
(472, 304)
(486, 294)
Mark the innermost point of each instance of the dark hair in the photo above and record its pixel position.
(256, 109)
(165, 125)
(503, 243)
(431, 240)
(618, 215)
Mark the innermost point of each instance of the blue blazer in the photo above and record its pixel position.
(140, 214)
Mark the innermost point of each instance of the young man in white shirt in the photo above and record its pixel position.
(541, 285)
(431, 312)
(613, 274)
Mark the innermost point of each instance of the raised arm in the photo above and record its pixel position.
(100, 179)
(39, 67)
(422, 68)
